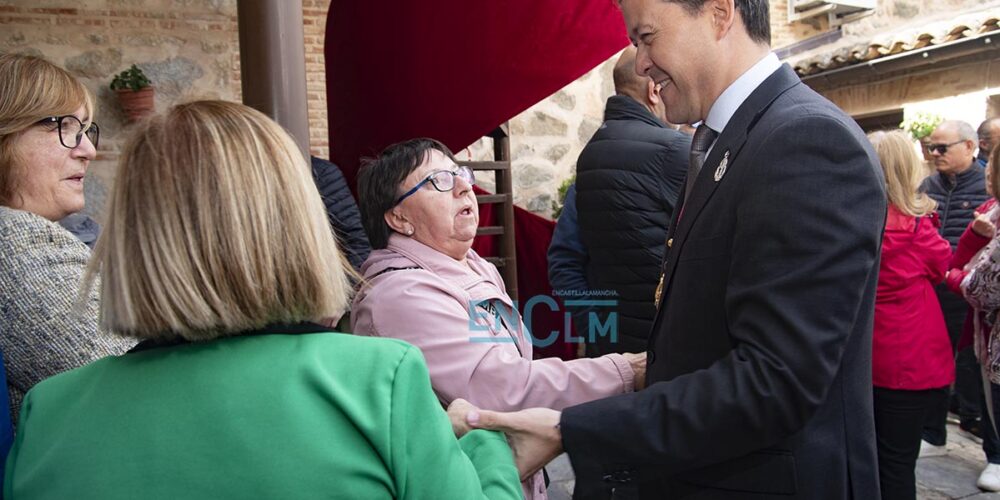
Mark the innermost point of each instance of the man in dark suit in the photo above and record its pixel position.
(760, 355)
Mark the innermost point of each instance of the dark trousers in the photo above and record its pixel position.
(991, 444)
(899, 419)
(968, 384)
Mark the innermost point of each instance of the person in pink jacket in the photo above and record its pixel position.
(912, 362)
(424, 284)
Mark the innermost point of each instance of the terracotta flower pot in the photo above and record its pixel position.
(136, 104)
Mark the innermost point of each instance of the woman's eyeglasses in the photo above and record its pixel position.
(442, 180)
(72, 130)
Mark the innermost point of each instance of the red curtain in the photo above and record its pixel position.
(454, 70)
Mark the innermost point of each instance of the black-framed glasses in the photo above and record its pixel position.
(941, 148)
(442, 180)
(72, 130)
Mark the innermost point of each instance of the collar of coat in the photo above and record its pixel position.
(623, 107)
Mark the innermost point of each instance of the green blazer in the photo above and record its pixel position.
(307, 415)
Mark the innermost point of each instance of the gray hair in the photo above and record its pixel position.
(964, 130)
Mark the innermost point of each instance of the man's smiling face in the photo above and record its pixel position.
(675, 48)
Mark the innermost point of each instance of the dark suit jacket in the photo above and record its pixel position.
(760, 355)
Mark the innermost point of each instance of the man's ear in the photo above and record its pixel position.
(652, 92)
(723, 14)
(397, 221)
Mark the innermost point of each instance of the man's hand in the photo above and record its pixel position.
(533, 434)
(983, 226)
(637, 360)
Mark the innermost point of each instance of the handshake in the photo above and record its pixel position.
(533, 434)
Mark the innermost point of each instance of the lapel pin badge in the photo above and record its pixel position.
(719, 172)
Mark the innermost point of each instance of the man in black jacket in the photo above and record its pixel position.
(628, 178)
(959, 187)
(345, 219)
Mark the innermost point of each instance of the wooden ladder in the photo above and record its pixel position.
(506, 262)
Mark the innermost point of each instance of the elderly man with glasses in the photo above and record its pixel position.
(959, 186)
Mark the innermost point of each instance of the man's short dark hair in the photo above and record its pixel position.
(379, 183)
(755, 14)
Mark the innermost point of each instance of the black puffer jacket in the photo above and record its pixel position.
(342, 210)
(628, 179)
(957, 199)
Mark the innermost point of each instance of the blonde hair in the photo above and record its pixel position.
(215, 226)
(31, 88)
(903, 172)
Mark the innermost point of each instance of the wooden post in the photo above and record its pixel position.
(505, 216)
(273, 63)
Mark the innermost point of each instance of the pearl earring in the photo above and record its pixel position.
(409, 232)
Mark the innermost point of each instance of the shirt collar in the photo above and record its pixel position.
(732, 98)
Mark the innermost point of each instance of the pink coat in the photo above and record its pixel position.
(417, 294)
(910, 345)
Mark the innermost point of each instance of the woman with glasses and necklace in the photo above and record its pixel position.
(47, 140)
(424, 284)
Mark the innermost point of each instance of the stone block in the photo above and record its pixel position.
(150, 40)
(564, 100)
(531, 176)
(905, 9)
(96, 63)
(16, 38)
(545, 124)
(556, 153)
(173, 76)
(541, 205)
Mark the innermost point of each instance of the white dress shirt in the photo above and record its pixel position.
(732, 98)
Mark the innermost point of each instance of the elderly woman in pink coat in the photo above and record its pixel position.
(424, 284)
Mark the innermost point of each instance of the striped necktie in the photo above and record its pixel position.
(703, 139)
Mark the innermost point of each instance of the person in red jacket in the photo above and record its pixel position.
(912, 363)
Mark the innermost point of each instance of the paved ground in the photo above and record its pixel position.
(947, 477)
(953, 476)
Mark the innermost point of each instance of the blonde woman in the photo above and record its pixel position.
(47, 139)
(217, 254)
(912, 362)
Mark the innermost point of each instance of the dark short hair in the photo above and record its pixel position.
(379, 183)
(755, 14)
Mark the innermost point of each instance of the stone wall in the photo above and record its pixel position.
(188, 48)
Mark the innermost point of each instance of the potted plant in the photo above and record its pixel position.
(135, 93)
(921, 126)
